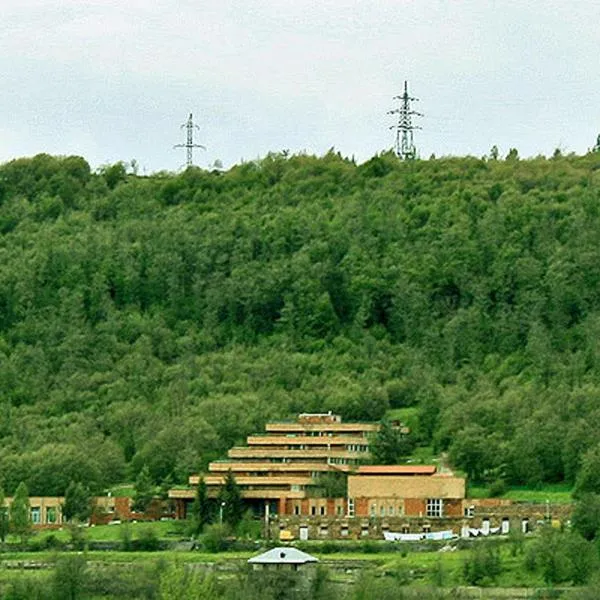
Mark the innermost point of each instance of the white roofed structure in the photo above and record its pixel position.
(283, 556)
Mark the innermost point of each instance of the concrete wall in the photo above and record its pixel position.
(356, 528)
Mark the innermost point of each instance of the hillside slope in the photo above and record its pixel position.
(159, 320)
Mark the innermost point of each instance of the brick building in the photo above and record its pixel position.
(404, 490)
(46, 512)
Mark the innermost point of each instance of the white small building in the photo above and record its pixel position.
(282, 558)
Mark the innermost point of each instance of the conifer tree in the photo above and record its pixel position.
(3, 517)
(20, 521)
(77, 503)
(231, 501)
(200, 507)
(144, 490)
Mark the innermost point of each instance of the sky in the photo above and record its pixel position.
(114, 80)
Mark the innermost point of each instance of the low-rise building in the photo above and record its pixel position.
(46, 512)
(404, 490)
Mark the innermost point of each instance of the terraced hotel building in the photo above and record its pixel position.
(281, 472)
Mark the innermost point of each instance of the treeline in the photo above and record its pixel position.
(156, 321)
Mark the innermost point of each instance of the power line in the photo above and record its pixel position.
(189, 145)
(404, 146)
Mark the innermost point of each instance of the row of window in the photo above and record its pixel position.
(36, 515)
(319, 511)
(357, 448)
(389, 511)
(434, 507)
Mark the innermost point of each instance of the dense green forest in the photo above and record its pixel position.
(156, 321)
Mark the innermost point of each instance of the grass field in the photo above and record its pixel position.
(557, 493)
(163, 530)
(440, 568)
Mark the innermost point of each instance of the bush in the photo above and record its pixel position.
(497, 488)
(215, 538)
(51, 542)
(126, 537)
(25, 589)
(147, 541)
(69, 577)
(484, 564)
(586, 516)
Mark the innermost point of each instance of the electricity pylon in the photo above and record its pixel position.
(189, 145)
(404, 146)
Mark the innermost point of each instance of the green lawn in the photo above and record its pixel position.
(409, 415)
(556, 493)
(423, 566)
(123, 489)
(163, 530)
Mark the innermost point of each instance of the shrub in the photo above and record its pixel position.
(497, 488)
(484, 564)
(147, 541)
(214, 538)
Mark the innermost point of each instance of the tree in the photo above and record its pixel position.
(390, 445)
(77, 503)
(333, 484)
(562, 556)
(144, 490)
(230, 499)
(69, 577)
(588, 478)
(472, 451)
(483, 565)
(200, 510)
(4, 523)
(597, 146)
(586, 516)
(20, 522)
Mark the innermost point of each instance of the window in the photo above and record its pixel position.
(405, 529)
(296, 510)
(373, 510)
(350, 507)
(426, 528)
(391, 511)
(322, 510)
(51, 515)
(36, 515)
(313, 510)
(382, 511)
(469, 511)
(339, 510)
(435, 507)
(344, 531)
(505, 525)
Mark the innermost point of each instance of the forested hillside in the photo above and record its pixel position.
(158, 320)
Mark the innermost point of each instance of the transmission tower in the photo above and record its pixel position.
(189, 145)
(404, 146)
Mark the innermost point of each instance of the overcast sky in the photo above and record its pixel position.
(114, 79)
